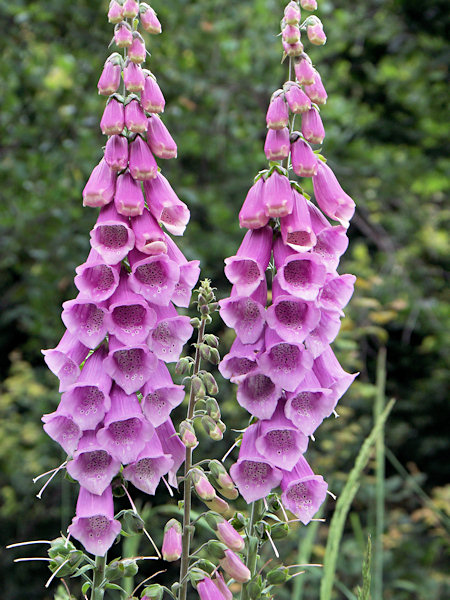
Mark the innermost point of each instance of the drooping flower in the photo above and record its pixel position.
(130, 367)
(150, 465)
(64, 360)
(303, 492)
(112, 237)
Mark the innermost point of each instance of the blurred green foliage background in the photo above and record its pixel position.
(218, 62)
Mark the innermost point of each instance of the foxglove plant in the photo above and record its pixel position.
(287, 375)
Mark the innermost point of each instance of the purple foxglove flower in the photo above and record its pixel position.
(296, 98)
(94, 524)
(207, 590)
(304, 161)
(62, 428)
(278, 199)
(133, 78)
(126, 430)
(292, 318)
(159, 139)
(299, 274)
(142, 162)
(116, 152)
(279, 441)
(172, 547)
(92, 466)
(129, 199)
(292, 49)
(152, 99)
(228, 535)
(336, 292)
(258, 394)
(247, 269)
(220, 584)
(277, 116)
(309, 4)
(312, 127)
(130, 9)
(316, 34)
(155, 277)
(165, 205)
(65, 360)
(331, 197)
(99, 190)
(112, 238)
(331, 244)
(203, 488)
(110, 78)
(316, 91)
(304, 71)
(171, 333)
(292, 13)
(318, 220)
(135, 119)
(331, 375)
(234, 567)
(245, 314)
(115, 12)
(149, 20)
(130, 318)
(95, 279)
(172, 445)
(240, 360)
(137, 52)
(303, 492)
(160, 396)
(123, 36)
(87, 400)
(253, 475)
(189, 274)
(291, 34)
(130, 367)
(113, 119)
(151, 464)
(150, 239)
(309, 404)
(324, 333)
(296, 229)
(276, 146)
(85, 320)
(284, 362)
(252, 214)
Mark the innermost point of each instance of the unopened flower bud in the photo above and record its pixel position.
(205, 351)
(277, 116)
(218, 505)
(279, 530)
(130, 9)
(123, 36)
(116, 152)
(278, 576)
(212, 407)
(101, 186)
(211, 385)
(172, 544)
(312, 127)
(198, 387)
(292, 13)
(187, 434)
(214, 357)
(296, 98)
(309, 4)
(220, 584)
(183, 366)
(152, 99)
(113, 119)
(115, 12)
(234, 567)
(293, 49)
(117, 569)
(316, 91)
(135, 119)
(153, 592)
(316, 34)
(304, 161)
(142, 165)
(204, 489)
(225, 532)
(195, 322)
(110, 78)
(129, 199)
(133, 77)
(137, 52)
(304, 71)
(60, 547)
(211, 340)
(211, 428)
(276, 146)
(149, 20)
(207, 590)
(291, 34)
(255, 587)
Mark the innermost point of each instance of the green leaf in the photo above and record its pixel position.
(85, 587)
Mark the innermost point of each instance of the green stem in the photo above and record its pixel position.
(187, 527)
(379, 477)
(97, 593)
(252, 544)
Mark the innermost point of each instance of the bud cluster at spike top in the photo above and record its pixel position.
(287, 375)
(123, 327)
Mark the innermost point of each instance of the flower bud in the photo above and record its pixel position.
(101, 185)
(277, 116)
(110, 78)
(183, 366)
(116, 152)
(225, 532)
(218, 505)
(152, 99)
(316, 34)
(212, 407)
(255, 587)
(221, 475)
(202, 486)
(276, 146)
(149, 20)
(278, 576)
(211, 385)
(214, 357)
(60, 546)
(142, 162)
(293, 49)
(123, 35)
(172, 545)
(292, 13)
(159, 139)
(234, 567)
(129, 199)
(153, 592)
(135, 119)
(316, 91)
(115, 12)
(211, 428)
(187, 434)
(291, 34)
(216, 549)
(312, 127)
(133, 77)
(137, 52)
(208, 591)
(280, 530)
(304, 161)
(130, 9)
(296, 98)
(304, 71)
(309, 4)
(113, 120)
(205, 351)
(198, 387)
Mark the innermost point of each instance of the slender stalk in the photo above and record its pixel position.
(187, 527)
(252, 544)
(97, 593)
(379, 477)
